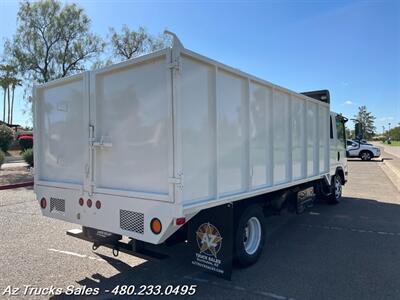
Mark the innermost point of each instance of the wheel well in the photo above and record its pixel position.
(340, 173)
(240, 206)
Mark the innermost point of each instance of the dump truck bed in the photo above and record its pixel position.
(166, 135)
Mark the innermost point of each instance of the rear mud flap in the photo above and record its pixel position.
(210, 236)
(305, 199)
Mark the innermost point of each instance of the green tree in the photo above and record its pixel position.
(130, 43)
(349, 133)
(393, 133)
(6, 137)
(52, 40)
(367, 120)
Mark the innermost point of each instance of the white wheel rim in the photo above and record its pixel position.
(252, 235)
(338, 188)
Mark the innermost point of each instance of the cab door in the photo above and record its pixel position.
(341, 139)
(337, 142)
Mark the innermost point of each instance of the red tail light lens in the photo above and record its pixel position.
(180, 221)
(98, 204)
(43, 203)
(89, 203)
(81, 202)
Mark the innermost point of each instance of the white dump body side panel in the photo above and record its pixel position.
(61, 120)
(242, 136)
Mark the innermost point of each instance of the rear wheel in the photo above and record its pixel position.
(366, 155)
(250, 236)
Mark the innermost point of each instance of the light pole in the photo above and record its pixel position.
(389, 126)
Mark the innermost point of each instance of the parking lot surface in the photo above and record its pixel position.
(345, 251)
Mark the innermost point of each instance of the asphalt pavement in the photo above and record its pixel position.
(345, 251)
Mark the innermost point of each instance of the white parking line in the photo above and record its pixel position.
(350, 229)
(313, 213)
(239, 288)
(76, 254)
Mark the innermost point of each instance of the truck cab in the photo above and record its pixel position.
(337, 144)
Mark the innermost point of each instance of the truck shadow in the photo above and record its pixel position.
(372, 160)
(320, 243)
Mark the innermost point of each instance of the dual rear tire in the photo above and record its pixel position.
(249, 236)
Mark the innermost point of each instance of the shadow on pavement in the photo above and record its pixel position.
(372, 160)
(340, 251)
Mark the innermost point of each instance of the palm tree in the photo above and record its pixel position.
(4, 85)
(8, 99)
(14, 83)
(6, 80)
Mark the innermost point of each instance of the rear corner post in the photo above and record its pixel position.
(175, 65)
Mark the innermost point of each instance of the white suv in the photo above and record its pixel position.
(362, 150)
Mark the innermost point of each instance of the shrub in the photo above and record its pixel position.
(2, 157)
(6, 137)
(25, 142)
(27, 155)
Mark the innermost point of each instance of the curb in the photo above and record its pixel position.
(393, 168)
(16, 185)
(391, 174)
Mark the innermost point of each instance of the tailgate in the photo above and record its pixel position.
(108, 131)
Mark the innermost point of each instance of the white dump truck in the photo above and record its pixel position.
(174, 144)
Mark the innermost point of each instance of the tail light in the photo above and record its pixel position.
(89, 203)
(81, 202)
(180, 221)
(43, 203)
(98, 204)
(155, 226)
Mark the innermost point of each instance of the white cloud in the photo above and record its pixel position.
(348, 102)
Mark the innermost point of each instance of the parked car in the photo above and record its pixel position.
(361, 149)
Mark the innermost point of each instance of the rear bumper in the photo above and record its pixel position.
(130, 247)
(125, 216)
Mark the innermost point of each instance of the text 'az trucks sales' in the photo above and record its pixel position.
(175, 147)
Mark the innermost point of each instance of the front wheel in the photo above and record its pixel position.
(336, 190)
(250, 236)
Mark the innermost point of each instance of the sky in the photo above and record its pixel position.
(351, 48)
